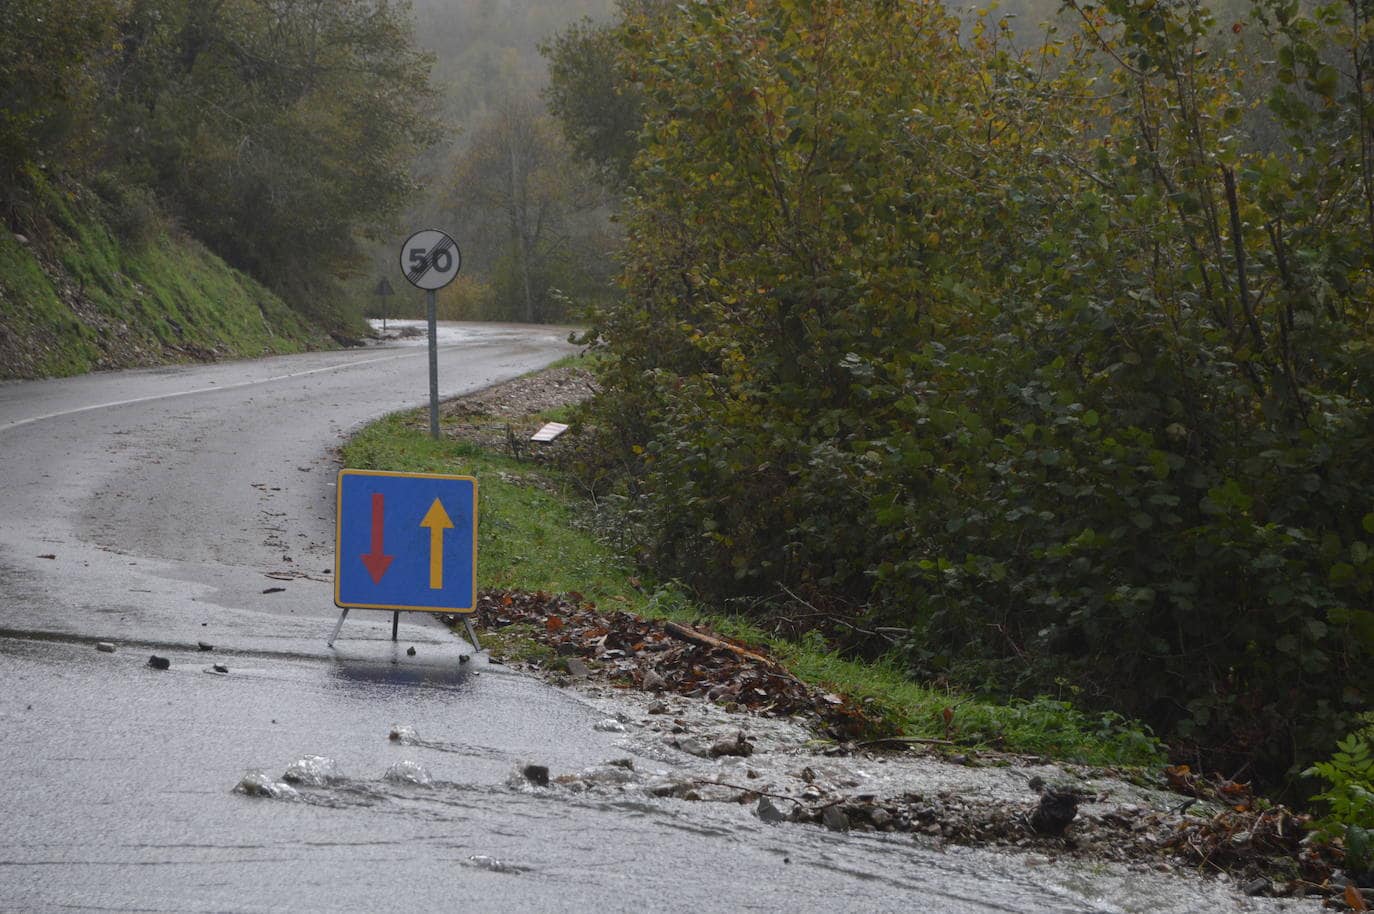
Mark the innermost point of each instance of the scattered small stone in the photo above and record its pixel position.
(609, 725)
(1256, 886)
(258, 784)
(693, 746)
(275, 590)
(834, 818)
(576, 668)
(658, 707)
(482, 861)
(105, 647)
(538, 775)
(220, 668)
(408, 772)
(410, 651)
(204, 646)
(738, 746)
(1058, 807)
(312, 771)
(768, 811)
(653, 681)
(880, 817)
(159, 663)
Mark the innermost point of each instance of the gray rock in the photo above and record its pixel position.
(105, 647)
(880, 817)
(312, 771)
(653, 682)
(1057, 809)
(220, 668)
(736, 746)
(577, 668)
(693, 746)
(204, 646)
(258, 784)
(410, 651)
(159, 663)
(1256, 886)
(833, 818)
(408, 772)
(768, 811)
(538, 775)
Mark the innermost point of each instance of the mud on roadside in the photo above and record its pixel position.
(737, 728)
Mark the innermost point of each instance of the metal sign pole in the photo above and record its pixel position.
(433, 367)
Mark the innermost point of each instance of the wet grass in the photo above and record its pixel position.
(529, 540)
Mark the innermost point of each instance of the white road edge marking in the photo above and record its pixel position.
(202, 390)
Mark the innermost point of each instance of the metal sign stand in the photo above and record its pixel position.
(383, 292)
(432, 310)
(395, 623)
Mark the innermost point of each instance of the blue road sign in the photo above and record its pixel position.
(406, 541)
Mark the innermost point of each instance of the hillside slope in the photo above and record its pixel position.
(76, 296)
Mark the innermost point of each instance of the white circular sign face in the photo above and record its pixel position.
(430, 259)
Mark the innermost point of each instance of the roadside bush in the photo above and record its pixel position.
(1026, 355)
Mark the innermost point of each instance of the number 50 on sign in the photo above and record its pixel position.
(430, 259)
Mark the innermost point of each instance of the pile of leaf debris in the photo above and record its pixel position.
(657, 656)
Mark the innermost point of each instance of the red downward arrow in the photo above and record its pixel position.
(376, 563)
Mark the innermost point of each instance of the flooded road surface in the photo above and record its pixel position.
(157, 509)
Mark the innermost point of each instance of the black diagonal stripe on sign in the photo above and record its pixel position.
(415, 275)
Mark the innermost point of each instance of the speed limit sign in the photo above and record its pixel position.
(430, 259)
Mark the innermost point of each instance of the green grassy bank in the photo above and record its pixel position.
(77, 295)
(536, 533)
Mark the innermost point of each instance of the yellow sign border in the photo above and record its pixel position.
(338, 541)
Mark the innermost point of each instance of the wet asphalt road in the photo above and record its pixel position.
(148, 507)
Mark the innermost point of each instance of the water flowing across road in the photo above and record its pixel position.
(156, 509)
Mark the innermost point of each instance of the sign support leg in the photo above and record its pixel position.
(433, 365)
(472, 632)
(332, 638)
(395, 622)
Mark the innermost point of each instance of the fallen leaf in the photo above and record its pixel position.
(1355, 898)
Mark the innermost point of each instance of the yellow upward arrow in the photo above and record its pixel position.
(437, 520)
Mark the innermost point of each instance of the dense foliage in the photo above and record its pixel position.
(1033, 356)
(275, 131)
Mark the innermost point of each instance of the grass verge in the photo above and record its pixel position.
(529, 540)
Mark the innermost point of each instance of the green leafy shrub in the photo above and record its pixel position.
(1349, 797)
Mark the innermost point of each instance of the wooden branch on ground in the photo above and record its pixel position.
(692, 636)
(905, 741)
